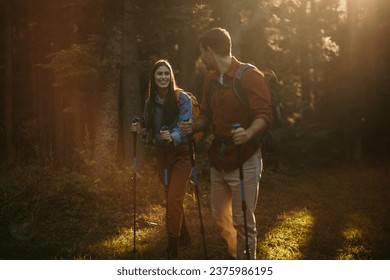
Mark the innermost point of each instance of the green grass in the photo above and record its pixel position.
(290, 233)
(336, 213)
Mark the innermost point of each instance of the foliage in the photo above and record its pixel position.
(46, 210)
(78, 66)
(313, 47)
(79, 62)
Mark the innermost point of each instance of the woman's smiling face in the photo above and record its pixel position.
(162, 76)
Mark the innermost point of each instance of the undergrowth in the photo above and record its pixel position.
(49, 212)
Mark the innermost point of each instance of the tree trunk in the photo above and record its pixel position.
(8, 101)
(130, 98)
(232, 22)
(187, 58)
(107, 124)
(304, 55)
(352, 124)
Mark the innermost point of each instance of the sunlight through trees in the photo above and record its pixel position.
(286, 240)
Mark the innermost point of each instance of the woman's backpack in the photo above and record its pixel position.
(195, 111)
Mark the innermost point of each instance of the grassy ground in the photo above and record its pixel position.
(340, 212)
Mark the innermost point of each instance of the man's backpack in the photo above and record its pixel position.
(273, 85)
(274, 136)
(195, 111)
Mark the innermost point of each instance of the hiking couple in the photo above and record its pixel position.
(169, 107)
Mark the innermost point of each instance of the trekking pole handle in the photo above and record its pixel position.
(191, 143)
(165, 128)
(239, 152)
(236, 125)
(135, 120)
(191, 134)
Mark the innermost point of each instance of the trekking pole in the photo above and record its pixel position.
(164, 128)
(239, 157)
(135, 120)
(191, 144)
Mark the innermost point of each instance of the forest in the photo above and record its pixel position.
(74, 73)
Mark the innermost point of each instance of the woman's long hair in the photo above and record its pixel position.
(171, 109)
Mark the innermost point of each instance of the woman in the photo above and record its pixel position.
(165, 106)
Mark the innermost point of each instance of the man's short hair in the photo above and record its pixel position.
(217, 39)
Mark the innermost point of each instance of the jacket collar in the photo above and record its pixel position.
(234, 65)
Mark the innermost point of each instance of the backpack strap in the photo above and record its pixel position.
(177, 92)
(237, 87)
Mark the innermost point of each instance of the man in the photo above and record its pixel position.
(220, 109)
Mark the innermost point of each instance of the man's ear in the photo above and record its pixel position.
(214, 54)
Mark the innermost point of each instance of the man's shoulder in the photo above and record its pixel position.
(249, 71)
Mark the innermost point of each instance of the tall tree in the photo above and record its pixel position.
(130, 98)
(194, 18)
(305, 59)
(107, 116)
(229, 11)
(8, 96)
